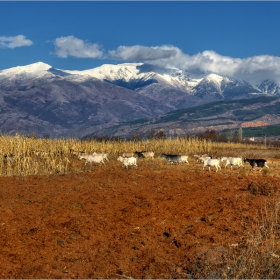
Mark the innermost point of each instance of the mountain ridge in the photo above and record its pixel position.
(40, 99)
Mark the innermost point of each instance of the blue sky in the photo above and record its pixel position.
(222, 36)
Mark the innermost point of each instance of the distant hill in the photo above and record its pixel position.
(220, 116)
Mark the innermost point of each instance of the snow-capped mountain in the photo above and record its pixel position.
(269, 87)
(41, 99)
(136, 76)
(35, 70)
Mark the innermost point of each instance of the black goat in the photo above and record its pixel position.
(256, 162)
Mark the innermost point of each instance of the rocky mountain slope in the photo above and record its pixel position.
(42, 100)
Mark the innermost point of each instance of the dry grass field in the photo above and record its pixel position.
(60, 218)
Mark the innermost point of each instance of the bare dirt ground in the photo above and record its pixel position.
(154, 221)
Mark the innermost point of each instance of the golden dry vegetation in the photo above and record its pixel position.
(23, 156)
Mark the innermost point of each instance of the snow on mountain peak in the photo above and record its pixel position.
(214, 78)
(112, 72)
(38, 66)
(38, 69)
(269, 86)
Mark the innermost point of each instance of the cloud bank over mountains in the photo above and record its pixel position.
(251, 69)
(143, 53)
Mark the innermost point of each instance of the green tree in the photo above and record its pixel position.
(240, 134)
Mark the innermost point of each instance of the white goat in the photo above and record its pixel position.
(212, 162)
(149, 155)
(127, 161)
(183, 159)
(233, 161)
(92, 158)
(201, 158)
(104, 155)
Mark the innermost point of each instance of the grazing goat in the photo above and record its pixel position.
(175, 158)
(127, 161)
(232, 161)
(256, 162)
(104, 155)
(92, 158)
(145, 154)
(212, 162)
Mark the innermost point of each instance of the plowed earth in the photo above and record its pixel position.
(154, 221)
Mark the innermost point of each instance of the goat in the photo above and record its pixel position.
(145, 154)
(201, 158)
(104, 155)
(212, 162)
(233, 161)
(92, 158)
(175, 158)
(256, 162)
(127, 161)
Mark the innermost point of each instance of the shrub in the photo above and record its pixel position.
(261, 188)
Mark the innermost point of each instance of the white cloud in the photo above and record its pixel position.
(14, 42)
(142, 53)
(252, 69)
(259, 68)
(71, 46)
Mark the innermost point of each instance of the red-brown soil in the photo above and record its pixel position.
(154, 221)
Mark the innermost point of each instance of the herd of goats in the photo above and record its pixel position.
(130, 159)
